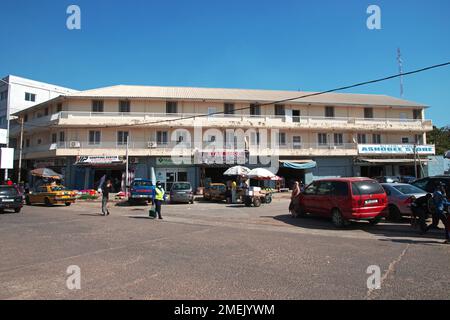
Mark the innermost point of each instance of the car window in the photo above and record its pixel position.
(387, 190)
(422, 184)
(58, 188)
(366, 187)
(8, 191)
(324, 188)
(340, 188)
(181, 186)
(311, 189)
(408, 189)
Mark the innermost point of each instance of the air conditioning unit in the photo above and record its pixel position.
(74, 144)
(152, 144)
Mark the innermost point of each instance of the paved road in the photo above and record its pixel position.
(213, 251)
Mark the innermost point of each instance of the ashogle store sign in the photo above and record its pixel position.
(92, 160)
(394, 149)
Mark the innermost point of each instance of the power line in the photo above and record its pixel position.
(291, 99)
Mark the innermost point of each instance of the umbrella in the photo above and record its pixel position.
(261, 174)
(237, 171)
(46, 173)
(447, 154)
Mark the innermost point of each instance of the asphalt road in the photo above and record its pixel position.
(213, 251)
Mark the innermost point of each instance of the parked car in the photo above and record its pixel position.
(215, 192)
(51, 195)
(181, 192)
(387, 179)
(429, 184)
(141, 190)
(407, 179)
(10, 198)
(344, 199)
(400, 196)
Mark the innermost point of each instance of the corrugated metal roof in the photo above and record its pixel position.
(239, 95)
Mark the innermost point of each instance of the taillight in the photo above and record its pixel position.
(408, 200)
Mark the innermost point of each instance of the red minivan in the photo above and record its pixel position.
(344, 199)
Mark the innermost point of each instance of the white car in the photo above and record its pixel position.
(400, 197)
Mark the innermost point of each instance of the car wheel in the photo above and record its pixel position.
(337, 218)
(257, 202)
(68, 204)
(47, 202)
(394, 213)
(268, 199)
(375, 221)
(27, 201)
(17, 210)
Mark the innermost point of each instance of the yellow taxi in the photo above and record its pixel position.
(50, 195)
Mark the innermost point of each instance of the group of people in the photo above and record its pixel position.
(158, 196)
(435, 205)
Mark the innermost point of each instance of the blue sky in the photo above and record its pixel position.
(293, 45)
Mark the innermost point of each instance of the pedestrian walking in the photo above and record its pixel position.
(159, 195)
(294, 197)
(421, 210)
(440, 205)
(106, 190)
(233, 191)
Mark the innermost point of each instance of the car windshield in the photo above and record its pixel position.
(8, 191)
(142, 184)
(181, 186)
(58, 188)
(408, 189)
(367, 187)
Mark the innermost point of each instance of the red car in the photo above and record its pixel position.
(344, 199)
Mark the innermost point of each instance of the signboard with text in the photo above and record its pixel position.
(393, 149)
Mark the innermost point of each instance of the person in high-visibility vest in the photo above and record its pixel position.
(159, 195)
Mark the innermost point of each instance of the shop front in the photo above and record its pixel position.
(168, 172)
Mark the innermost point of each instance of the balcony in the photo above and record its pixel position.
(93, 119)
(146, 148)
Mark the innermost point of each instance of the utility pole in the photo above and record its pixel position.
(126, 169)
(19, 173)
(400, 70)
(415, 160)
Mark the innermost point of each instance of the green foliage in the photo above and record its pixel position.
(441, 138)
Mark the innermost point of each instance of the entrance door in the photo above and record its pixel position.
(171, 177)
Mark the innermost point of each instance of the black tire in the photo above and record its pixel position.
(337, 219)
(268, 199)
(47, 202)
(394, 213)
(257, 202)
(248, 202)
(375, 221)
(27, 201)
(68, 204)
(17, 210)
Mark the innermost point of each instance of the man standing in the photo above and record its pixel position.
(421, 209)
(106, 189)
(440, 202)
(159, 195)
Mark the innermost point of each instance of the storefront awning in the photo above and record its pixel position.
(392, 160)
(298, 164)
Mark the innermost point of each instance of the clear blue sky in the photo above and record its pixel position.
(306, 45)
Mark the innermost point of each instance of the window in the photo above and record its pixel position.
(122, 137)
(405, 140)
(124, 106)
(27, 143)
(324, 188)
(376, 138)
(255, 110)
(322, 139)
(30, 97)
(282, 138)
(171, 107)
(46, 111)
(280, 110)
(418, 138)
(161, 137)
(254, 138)
(297, 142)
(368, 113)
(97, 106)
(417, 114)
(329, 112)
(362, 139)
(94, 137)
(54, 137)
(340, 188)
(39, 141)
(62, 136)
(4, 95)
(295, 115)
(338, 139)
(25, 118)
(311, 189)
(366, 187)
(59, 107)
(228, 108)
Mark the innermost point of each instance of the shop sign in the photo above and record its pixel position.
(44, 163)
(168, 161)
(99, 160)
(395, 149)
(224, 157)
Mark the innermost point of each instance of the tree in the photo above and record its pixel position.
(441, 138)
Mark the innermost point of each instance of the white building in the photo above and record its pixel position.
(17, 94)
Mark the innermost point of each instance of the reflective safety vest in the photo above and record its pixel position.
(159, 194)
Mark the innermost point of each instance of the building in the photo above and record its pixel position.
(87, 134)
(17, 94)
